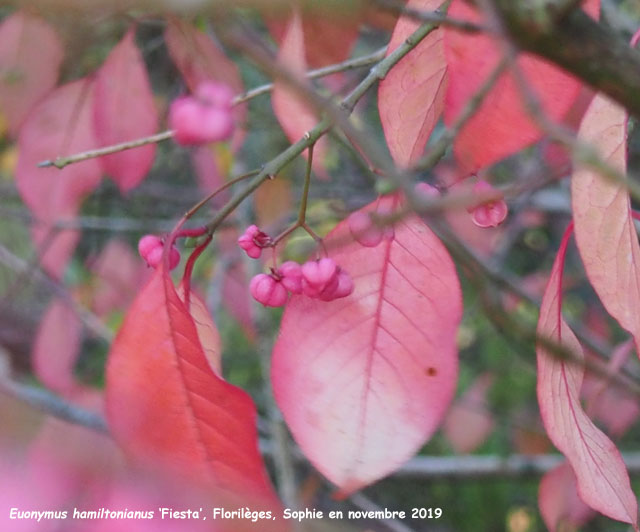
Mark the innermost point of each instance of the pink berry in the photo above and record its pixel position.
(154, 258)
(267, 290)
(253, 240)
(364, 230)
(291, 275)
(147, 244)
(345, 285)
(489, 213)
(317, 274)
(215, 94)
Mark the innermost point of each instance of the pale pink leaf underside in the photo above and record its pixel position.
(364, 381)
(30, 57)
(605, 232)
(124, 110)
(294, 114)
(411, 96)
(602, 478)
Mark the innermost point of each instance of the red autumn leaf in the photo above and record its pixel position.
(56, 347)
(199, 58)
(61, 124)
(411, 96)
(295, 114)
(206, 164)
(602, 478)
(560, 506)
(124, 110)
(502, 125)
(605, 233)
(328, 37)
(30, 57)
(469, 423)
(165, 406)
(365, 380)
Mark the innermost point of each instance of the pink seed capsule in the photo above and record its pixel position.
(291, 274)
(247, 242)
(154, 258)
(319, 272)
(345, 285)
(490, 213)
(363, 230)
(215, 94)
(147, 244)
(267, 290)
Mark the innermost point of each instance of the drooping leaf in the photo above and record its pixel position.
(365, 380)
(30, 57)
(602, 478)
(469, 422)
(605, 232)
(124, 110)
(295, 114)
(502, 125)
(56, 347)
(411, 96)
(199, 58)
(560, 506)
(165, 406)
(60, 125)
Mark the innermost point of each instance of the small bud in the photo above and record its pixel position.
(291, 275)
(490, 213)
(267, 290)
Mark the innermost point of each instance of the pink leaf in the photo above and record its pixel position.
(62, 124)
(199, 58)
(411, 96)
(30, 57)
(294, 113)
(165, 406)
(365, 380)
(558, 499)
(56, 347)
(124, 110)
(469, 423)
(605, 233)
(206, 165)
(603, 481)
(502, 125)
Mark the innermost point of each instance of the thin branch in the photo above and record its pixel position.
(51, 404)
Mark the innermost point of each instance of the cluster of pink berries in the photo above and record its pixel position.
(151, 248)
(203, 117)
(320, 279)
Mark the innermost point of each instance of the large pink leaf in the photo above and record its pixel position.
(199, 58)
(502, 125)
(56, 347)
(62, 124)
(603, 481)
(293, 112)
(605, 233)
(560, 506)
(165, 406)
(411, 97)
(364, 381)
(30, 57)
(124, 110)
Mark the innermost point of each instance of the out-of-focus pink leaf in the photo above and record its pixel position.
(469, 423)
(502, 125)
(56, 347)
(411, 96)
(61, 124)
(558, 500)
(194, 424)
(30, 57)
(328, 38)
(118, 272)
(603, 481)
(605, 233)
(124, 110)
(365, 380)
(208, 173)
(295, 114)
(199, 58)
